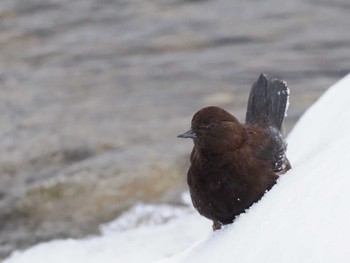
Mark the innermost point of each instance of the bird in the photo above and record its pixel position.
(234, 164)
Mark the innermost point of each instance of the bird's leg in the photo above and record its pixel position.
(216, 225)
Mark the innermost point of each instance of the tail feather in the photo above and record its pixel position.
(268, 102)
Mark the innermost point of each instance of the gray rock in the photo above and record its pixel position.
(74, 201)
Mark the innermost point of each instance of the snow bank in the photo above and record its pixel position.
(140, 235)
(304, 218)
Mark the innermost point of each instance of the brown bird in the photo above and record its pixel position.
(234, 164)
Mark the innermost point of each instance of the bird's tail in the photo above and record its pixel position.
(268, 102)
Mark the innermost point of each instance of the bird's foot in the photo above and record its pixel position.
(216, 225)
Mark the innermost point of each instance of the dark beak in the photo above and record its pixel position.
(189, 134)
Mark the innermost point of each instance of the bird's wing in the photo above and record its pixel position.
(273, 150)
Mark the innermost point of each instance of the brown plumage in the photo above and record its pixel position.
(234, 164)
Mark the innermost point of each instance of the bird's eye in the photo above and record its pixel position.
(208, 126)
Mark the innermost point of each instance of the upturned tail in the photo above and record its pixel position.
(268, 102)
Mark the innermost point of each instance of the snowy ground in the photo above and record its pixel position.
(304, 218)
(146, 243)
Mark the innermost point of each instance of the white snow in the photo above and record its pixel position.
(150, 241)
(304, 218)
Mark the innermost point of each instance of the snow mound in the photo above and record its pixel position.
(144, 215)
(150, 236)
(302, 219)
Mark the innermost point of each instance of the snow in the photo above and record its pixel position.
(146, 242)
(304, 218)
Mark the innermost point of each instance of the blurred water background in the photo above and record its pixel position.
(94, 92)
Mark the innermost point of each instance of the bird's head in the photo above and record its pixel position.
(214, 129)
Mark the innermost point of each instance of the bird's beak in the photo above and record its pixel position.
(189, 134)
